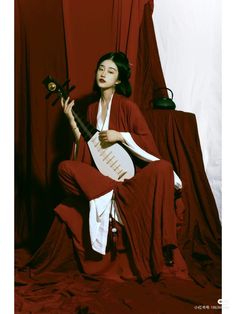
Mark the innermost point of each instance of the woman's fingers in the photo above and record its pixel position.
(109, 136)
(62, 102)
(67, 100)
(67, 107)
(71, 104)
(103, 136)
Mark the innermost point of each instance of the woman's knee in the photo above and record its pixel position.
(64, 167)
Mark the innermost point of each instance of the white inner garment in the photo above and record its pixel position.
(103, 206)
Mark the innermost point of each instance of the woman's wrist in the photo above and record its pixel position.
(121, 138)
(73, 124)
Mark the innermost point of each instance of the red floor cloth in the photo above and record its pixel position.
(52, 283)
(72, 293)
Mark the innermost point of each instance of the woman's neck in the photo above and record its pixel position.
(106, 95)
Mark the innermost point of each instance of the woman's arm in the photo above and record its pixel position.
(67, 108)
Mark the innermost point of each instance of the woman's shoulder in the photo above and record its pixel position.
(125, 102)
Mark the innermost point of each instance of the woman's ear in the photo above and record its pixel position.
(118, 82)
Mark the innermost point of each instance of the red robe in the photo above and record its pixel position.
(125, 117)
(146, 202)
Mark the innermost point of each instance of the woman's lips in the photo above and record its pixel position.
(102, 81)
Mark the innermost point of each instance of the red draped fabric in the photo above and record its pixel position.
(149, 77)
(88, 35)
(121, 25)
(39, 127)
(65, 39)
(176, 135)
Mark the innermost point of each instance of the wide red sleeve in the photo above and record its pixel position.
(125, 117)
(140, 131)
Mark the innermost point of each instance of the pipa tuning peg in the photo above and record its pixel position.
(66, 82)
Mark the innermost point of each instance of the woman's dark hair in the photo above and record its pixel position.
(122, 63)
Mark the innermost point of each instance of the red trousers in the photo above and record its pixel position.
(149, 192)
(146, 205)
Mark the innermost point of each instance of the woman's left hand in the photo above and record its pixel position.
(110, 136)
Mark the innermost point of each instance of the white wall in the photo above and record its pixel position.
(189, 41)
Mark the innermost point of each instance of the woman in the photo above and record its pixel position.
(143, 204)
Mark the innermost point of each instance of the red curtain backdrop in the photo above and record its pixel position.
(149, 77)
(118, 25)
(41, 134)
(88, 35)
(65, 39)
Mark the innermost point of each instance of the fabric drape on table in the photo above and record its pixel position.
(176, 135)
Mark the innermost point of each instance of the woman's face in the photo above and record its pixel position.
(107, 75)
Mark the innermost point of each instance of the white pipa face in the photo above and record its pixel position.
(111, 160)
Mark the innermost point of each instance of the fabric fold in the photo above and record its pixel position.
(142, 154)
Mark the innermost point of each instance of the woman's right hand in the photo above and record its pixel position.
(67, 108)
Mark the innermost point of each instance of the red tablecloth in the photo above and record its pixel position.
(176, 135)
